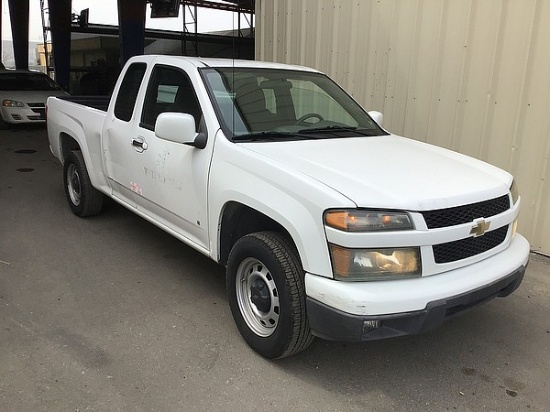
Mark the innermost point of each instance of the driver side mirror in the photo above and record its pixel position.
(377, 117)
(179, 128)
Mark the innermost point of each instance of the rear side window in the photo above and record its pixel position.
(129, 88)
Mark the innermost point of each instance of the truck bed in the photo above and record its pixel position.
(97, 102)
(82, 118)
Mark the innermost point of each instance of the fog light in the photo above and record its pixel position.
(370, 325)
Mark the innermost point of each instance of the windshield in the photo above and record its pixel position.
(267, 104)
(26, 82)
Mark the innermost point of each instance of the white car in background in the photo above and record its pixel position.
(23, 96)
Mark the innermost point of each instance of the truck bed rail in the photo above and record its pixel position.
(97, 102)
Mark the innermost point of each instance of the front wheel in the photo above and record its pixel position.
(84, 200)
(265, 287)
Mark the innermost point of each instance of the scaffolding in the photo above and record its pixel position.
(92, 43)
(190, 39)
(190, 28)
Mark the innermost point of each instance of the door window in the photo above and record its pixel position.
(169, 90)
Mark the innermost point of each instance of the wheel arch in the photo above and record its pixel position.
(67, 144)
(238, 220)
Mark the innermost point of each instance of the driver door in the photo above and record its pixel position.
(171, 177)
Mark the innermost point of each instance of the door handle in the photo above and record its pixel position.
(139, 143)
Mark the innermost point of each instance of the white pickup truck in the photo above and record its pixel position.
(328, 225)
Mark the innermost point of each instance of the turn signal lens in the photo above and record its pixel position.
(514, 228)
(367, 220)
(514, 192)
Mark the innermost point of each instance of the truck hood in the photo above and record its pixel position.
(390, 171)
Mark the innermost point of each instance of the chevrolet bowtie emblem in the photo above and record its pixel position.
(480, 227)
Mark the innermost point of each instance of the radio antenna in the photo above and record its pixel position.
(233, 73)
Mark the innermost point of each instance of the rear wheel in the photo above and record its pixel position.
(265, 287)
(84, 200)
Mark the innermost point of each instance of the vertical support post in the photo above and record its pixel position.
(45, 36)
(60, 29)
(184, 31)
(1, 39)
(196, 38)
(19, 17)
(131, 22)
(187, 32)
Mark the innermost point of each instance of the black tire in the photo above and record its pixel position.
(3, 124)
(84, 200)
(265, 288)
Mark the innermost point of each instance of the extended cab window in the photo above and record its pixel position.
(129, 88)
(169, 90)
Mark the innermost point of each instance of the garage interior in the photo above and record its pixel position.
(74, 47)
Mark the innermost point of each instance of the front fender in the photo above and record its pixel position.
(292, 199)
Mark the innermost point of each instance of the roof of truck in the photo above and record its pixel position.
(213, 62)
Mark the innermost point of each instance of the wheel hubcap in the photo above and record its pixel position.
(73, 184)
(257, 296)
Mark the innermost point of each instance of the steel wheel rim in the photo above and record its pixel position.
(73, 184)
(260, 314)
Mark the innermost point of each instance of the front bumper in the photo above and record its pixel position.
(338, 310)
(333, 324)
(16, 115)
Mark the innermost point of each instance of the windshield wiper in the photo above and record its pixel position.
(352, 129)
(271, 135)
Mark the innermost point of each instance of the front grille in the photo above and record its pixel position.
(471, 246)
(465, 214)
(39, 109)
(40, 112)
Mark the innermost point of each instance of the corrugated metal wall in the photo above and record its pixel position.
(469, 75)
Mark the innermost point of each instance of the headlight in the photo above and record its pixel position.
(375, 264)
(514, 192)
(367, 220)
(12, 103)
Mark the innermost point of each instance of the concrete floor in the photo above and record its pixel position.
(110, 313)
